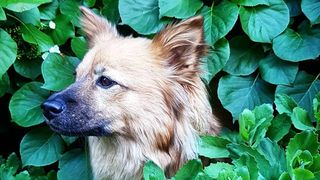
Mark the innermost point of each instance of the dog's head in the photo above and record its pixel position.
(128, 86)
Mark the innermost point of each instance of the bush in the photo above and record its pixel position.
(260, 52)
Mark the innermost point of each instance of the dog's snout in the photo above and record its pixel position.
(53, 108)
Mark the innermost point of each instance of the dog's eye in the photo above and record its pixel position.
(105, 82)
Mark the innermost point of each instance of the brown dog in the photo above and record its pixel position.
(137, 99)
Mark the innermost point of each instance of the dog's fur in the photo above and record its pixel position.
(155, 111)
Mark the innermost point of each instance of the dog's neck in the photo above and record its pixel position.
(123, 158)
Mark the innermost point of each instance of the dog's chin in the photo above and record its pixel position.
(99, 129)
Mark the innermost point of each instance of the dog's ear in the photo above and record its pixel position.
(96, 26)
(181, 46)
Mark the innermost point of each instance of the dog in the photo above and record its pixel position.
(136, 99)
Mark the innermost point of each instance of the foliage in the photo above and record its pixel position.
(285, 146)
(260, 52)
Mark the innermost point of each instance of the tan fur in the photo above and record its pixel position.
(159, 107)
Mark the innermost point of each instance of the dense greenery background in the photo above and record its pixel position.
(263, 67)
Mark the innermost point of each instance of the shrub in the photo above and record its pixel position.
(260, 52)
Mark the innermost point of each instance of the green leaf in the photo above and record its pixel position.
(298, 45)
(238, 93)
(2, 15)
(24, 175)
(89, 3)
(70, 9)
(264, 167)
(4, 84)
(213, 170)
(151, 171)
(8, 51)
(284, 103)
(246, 123)
(25, 104)
(274, 154)
(202, 176)
(40, 147)
(245, 56)
(33, 35)
(251, 2)
(294, 7)
(277, 71)
(31, 16)
(246, 167)
(74, 162)
(284, 176)
(69, 139)
(110, 10)
(141, 15)
(58, 72)
(219, 20)
(315, 106)
(311, 8)
(263, 23)
(189, 170)
(301, 173)
(63, 30)
(24, 5)
(303, 90)
(216, 59)
(180, 8)
(28, 68)
(300, 119)
(306, 140)
(49, 11)
(213, 147)
(79, 46)
(280, 126)
(13, 162)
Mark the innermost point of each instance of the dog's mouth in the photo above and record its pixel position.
(97, 129)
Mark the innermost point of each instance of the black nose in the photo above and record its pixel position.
(52, 108)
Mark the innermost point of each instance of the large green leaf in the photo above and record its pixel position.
(298, 45)
(4, 84)
(277, 71)
(79, 46)
(141, 15)
(304, 174)
(251, 2)
(284, 103)
(238, 93)
(74, 162)
(41, 147)
(28, 68)
(303, 90)
(110, 10)
(244, 57)
(213, 147)
(280, 126)
(33, 35)
(189, 170)
(306, 140)
(294, 7)
(49, 11)
(63, 30)
(301, 119)
(31, 16)
(23, 5)
(213, 170)
(246, 167)
(58, 71)
(311, 8)
(8, 51)
(263, 23)
(70, 9)
(153, 172)
(179, 8)
(25, 104)
(219, 20)
(216, 59)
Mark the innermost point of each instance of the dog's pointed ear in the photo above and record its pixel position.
(182, 46)
(96, 26)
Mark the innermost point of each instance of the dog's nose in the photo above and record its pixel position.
(52, 108)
